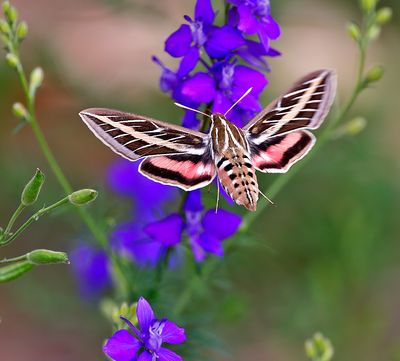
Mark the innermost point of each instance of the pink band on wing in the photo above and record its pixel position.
(186, 168)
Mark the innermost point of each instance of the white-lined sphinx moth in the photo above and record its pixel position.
(271, 142)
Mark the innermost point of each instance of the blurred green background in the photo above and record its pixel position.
(328, 253)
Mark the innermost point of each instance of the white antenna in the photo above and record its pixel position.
(266, 197)
(193, 110)
(240, 99)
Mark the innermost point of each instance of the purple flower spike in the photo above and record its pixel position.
(148, 341)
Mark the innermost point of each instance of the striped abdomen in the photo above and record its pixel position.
(237, 176)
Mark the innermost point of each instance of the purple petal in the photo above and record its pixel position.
(212, 223)
(222, 41)
(198, 252)
(233, 17)
(90, 266)
(203, 11)
(247, 21)
(171, 333)
(167, 355)
(168, 80)
(245, 78)
(121, 346)
(178, 43)
(144, 314)
(211, 244)
(190, 120)
(188, 62)
(167, 231)
(272, 52)
(193, 201)
(145, 356)
(272, 28)
(250, 102)
(200, 88)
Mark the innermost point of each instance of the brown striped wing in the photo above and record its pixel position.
(304, 106)
(135, 136)
(277, 136)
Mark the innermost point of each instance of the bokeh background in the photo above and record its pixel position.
(329, 252)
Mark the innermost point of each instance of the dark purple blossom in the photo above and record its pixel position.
(144, 343)
(91, 269)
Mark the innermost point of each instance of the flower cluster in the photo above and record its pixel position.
(218, 64)
(150, 239)
(145, 342)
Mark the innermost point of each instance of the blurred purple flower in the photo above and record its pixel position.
(148, 241)
(145, 342)
(90, 266)
(125, 179)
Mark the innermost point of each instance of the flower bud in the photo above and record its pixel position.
(36, 80)
(14, 270)
(44, 256)
(4, 27)
(319, 348)
(373, 32)
(368, 5)
(20, 111)
(355, 126)
(22, 30)
(374, 74)
(32, 189)
(384, 15)
(12, 60)
(354, 31)
(82, 197)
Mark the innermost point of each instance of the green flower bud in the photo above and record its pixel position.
(384, 15)
(10, 12)
(44, 256)
(319, 348)
(32, 189)
(355, 126)
(12, 60)
(22, 30)
(36, 79)
(82, 196)
(20, 111)
(373, 32)
(374, 74)
(6, 7)
(354, 31)
(368, 5)
(4, 27)
(15, 270)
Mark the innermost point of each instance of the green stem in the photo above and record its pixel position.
(48, 154)
(13, 218)
(34, 218)
(14, 259)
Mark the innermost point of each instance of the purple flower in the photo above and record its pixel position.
(204, 229)
(254, 17)
(145, 343)
(148, 241)
(233, 81)
(90, 266)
